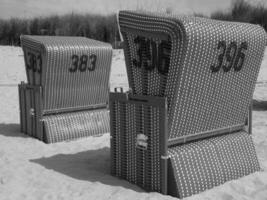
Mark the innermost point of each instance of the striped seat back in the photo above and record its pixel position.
(206, 68)
(73, 71)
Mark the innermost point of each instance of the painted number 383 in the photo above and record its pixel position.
(232, 55)
(83, 63)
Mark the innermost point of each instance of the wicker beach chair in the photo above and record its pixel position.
(182, 129)
(67, 92)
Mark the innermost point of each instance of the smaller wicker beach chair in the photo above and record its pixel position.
(182, 129)
(66, 96)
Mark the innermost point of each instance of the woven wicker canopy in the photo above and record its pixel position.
(73, 71)
(206, 68)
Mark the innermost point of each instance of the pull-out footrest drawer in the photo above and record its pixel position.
(69, 126)
(201, 165)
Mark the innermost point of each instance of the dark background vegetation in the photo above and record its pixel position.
(104, 28)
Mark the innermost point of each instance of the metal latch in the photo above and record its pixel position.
(141, 141)
(31, 111)
(116, 89)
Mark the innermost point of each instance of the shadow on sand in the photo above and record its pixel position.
(259, 105)
(11, 130)
(92, 165)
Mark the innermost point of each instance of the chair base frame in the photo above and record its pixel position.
(58, 125)
(142, 153)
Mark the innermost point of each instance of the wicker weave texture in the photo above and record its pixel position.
(73, 71)
(30, 110)
(57, 127)
(193, 166)
(201, 165)
(71, 126)
(199, 99)
(135, 144)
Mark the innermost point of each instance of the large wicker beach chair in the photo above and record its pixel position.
(182, 129)
(68, 84)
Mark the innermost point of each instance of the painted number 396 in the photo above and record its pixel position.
(232, 55)
(83, 63)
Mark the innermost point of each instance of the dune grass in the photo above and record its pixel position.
(105, 28)
(242, 11)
